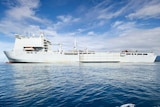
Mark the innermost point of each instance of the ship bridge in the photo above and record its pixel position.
(31, 43)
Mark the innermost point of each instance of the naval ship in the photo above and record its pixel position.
(38, 49)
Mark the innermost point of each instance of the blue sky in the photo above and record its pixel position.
(102, 25)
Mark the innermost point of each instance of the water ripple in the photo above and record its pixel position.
(79, 85)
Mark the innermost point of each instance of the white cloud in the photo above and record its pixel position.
(65, 20)
(141, 39)
(131, 37)
(125, 26)
(117, 23)
(102, 13)
(91, 33)
(147, 10)
(107, 13)
(21, 16)
(24, 9)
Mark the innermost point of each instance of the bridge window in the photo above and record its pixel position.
(145, 54)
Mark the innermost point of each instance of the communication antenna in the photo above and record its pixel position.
(42, 34)
(75, 44)
(33, 35)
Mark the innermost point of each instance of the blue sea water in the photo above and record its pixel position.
(157, 59)
(79, 85)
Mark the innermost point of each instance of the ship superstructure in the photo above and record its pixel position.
(39, 49)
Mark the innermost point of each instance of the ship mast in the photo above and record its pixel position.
(75, 44)
(42, 34)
